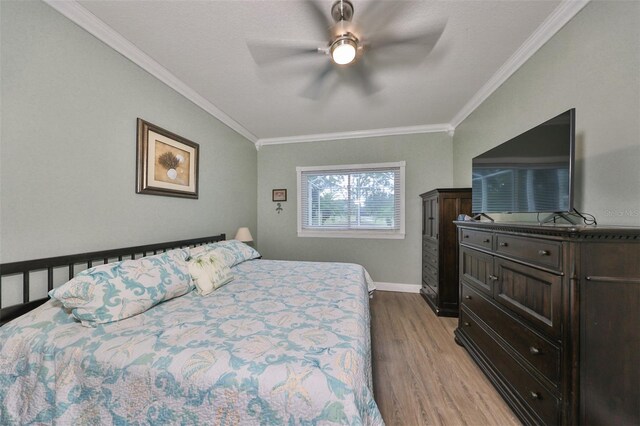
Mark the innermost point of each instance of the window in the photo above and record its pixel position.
(352, 201)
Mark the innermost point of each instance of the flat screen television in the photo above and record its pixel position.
(531, 173)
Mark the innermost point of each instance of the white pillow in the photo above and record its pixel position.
(232, 252)
(209, 272)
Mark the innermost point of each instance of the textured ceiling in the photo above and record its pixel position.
(204, 44)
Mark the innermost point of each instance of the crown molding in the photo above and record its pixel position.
(103, 32)
(566, 10)
(391, 131)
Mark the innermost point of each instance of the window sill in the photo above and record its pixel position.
(352, 234)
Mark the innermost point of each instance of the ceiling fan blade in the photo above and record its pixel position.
(427, 39)
(314, 89)
(265, 53)
(365, 78)
(323, 21)
(379, 15)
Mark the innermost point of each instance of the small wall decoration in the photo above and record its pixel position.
(279, 195)
(167, 164)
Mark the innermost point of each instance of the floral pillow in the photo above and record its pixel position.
(238, 250)
(209, 272)
(198, 250)
(231, 252)
(119, 290)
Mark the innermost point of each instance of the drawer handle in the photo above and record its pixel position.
(534, 351)
(543, 252)
(466, 324)
(535, 395)
(486, 240)
(468, 297)
(504, 244)
(466, 235)
(493, 277)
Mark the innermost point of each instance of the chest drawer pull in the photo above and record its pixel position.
(466, 236)
(535, 395)
(493, 277)
(466, 324)
(486, 240)
(534, 351)
(468, 297)
(503, 244)
(544, 252)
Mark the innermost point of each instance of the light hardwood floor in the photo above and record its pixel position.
(421, 376)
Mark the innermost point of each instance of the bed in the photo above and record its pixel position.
(284, 342)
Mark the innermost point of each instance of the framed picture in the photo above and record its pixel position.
(279, 195)
(167, 164)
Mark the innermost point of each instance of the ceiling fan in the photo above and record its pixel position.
(349, 43)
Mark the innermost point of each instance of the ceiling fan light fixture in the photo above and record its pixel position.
(344, 50)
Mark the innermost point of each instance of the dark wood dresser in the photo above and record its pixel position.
(440, 207)
(551, 314)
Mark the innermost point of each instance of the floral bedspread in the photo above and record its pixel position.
(284, 343)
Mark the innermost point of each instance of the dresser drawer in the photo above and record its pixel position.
(430, 259)
(429, 292)
(476, 268)
(430, 283)
(529, 391)
(430, 248)
(539, 352)
(429, 240)
(429, 273)
(531, 293)
(477, 238)
(532, 250)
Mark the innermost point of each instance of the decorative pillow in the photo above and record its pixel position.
(231, 252)
(198, 250)
(209, 272)
(119, 290)
(239, 250)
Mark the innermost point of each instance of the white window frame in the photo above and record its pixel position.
(365, 233)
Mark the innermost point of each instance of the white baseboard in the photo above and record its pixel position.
(399, 287)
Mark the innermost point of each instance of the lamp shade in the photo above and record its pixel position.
(243, 235)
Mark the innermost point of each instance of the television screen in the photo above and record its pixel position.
(531, 173)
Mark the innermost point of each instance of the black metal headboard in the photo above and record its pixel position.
(26, 267)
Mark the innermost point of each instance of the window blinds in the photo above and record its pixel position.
(354, 198)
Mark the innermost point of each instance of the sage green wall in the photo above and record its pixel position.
(428, 165)
(592, 64)
(68, 146)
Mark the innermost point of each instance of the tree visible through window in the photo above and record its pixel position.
(351, 198)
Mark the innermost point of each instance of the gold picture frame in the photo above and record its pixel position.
(167, 164)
